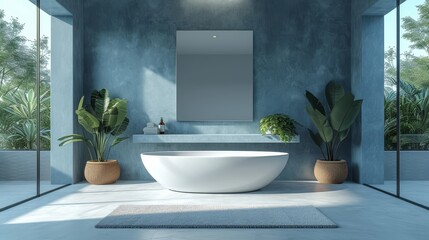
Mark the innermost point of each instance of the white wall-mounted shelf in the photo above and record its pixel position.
(209, 138)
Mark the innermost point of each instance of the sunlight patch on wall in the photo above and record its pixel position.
(158, 94)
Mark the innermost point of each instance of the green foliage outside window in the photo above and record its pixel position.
(18, 100)
(414, 86)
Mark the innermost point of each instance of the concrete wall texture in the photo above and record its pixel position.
(414, 165)
(22, 165)
(367, 82)
(67, 162)
(129, 48)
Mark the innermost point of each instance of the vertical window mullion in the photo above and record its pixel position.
(398, 113)
(38, 98)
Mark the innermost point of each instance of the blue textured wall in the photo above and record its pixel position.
(129, 48)
(62, 98)
(367, 82)
(67, 87)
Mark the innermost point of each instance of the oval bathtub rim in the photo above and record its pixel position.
(258, 154)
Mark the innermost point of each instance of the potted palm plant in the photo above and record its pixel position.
(332, 127)
(104, 121)
(278, 124)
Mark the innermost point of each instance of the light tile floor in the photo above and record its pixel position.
(15, 191)
(417, 191)
(72, 212)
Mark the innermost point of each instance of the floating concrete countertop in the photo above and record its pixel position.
(209, 138)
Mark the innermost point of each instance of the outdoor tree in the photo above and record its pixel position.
(17, 86)
(414, 85)
(414, 67)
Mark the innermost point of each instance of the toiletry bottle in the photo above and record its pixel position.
(161, 126)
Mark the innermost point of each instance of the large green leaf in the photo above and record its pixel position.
(80, 105)
(315, 137)
(87, 120)
(117, 111)
(334, 92)
(345, 112)
(71, 136)
(343, 134)
(118, 140)
(100, 102)
(315, 103)
(321, 123)
(110, 119)
(121, 128)
(74, 138)
(121, 106)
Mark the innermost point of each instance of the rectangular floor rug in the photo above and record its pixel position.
(215, 216)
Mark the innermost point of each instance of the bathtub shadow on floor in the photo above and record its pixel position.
(298, 187)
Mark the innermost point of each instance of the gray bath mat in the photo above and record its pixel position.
(215, 216)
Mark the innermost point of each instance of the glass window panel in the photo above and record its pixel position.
(414, 101)
(18, 101)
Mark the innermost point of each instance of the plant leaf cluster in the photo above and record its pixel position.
(18, 101)
(104, 121)
(19, 119)
(278, 124)
(334, 121)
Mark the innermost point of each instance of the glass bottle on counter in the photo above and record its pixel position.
(161, 126)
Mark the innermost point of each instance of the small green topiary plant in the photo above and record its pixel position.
(278, 124)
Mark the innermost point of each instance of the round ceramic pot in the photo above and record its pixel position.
(106, 172)
(331, 172)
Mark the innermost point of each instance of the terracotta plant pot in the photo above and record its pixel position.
(102, 172)
(331, 172)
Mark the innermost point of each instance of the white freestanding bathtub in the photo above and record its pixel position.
(214, 171)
